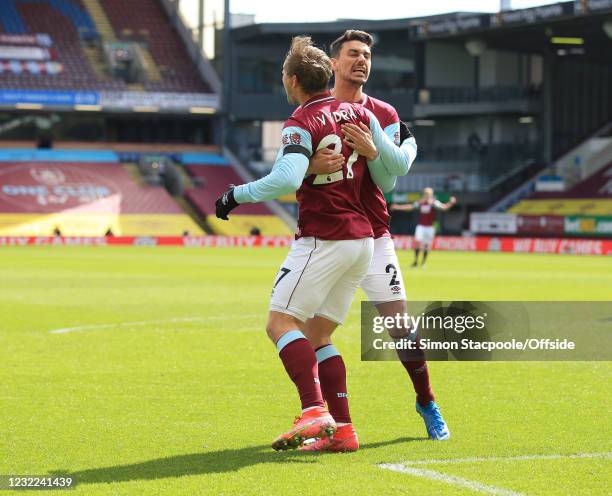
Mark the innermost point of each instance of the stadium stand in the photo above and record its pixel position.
(145, 21)
(77, 29)
(66, 22)
(212, 174)
(82, 193)
(597, 185)
(564, 206)
(591, 196)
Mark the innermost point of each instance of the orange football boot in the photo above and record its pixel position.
(316, 422)
(344, 440)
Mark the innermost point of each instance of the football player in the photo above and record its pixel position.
(334, 244)
(351, 57)
(425, 231)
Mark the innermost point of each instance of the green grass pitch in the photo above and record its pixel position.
(168, 384)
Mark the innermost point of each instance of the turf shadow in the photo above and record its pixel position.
(211, 462)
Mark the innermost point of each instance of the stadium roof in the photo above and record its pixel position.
(449, 25)
(526, 30)
(531, 30)
(291, 28)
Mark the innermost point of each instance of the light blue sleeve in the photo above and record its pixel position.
(390, 155)
(380, 176)
(393, 132)
(409, 148)
(385, 181)
(287, 172)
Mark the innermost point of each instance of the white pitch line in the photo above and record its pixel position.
(604, 454)
(411, 468)
(450, 479)
(94, 327)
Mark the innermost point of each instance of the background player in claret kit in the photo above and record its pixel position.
(383, 284)
(425, 230)
(334, 245)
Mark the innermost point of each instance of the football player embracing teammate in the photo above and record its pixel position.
(383, 284)
(334, 245)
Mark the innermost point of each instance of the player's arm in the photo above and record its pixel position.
(445, 206)
(399, 133)
(385, 181)
(285, 177)
(394, 159)
(376, 146)
(325, 161)
(408, 147)
(371, 143)
(408, 207)
(360, 139)
(408, 143)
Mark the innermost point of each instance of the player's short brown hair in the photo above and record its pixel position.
(310, 64)
(350, 35)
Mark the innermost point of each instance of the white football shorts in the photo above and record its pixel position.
(424, 234)
(321, 277)
(384, 281)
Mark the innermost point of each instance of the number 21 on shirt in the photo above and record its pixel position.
(334, 139)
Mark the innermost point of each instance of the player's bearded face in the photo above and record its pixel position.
(354, 62)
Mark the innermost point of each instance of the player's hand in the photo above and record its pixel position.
(225, 204)
(393, 206)
(359, 138)
(452, 200)
(325, 161)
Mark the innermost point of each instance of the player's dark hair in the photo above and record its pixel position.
(350, 35)
(310, 64)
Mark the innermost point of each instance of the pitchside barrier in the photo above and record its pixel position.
(443, 243)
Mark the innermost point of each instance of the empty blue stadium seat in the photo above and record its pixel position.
(13, 24)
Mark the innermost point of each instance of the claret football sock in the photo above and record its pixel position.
(415, 364)
(301, 364)
(332, 374)
(419, 375)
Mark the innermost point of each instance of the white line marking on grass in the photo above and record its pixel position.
(449, 479)
(94, 327)
(604, 454)
(410, 467)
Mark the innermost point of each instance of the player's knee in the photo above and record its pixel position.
(280, 323)
(273, 330)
